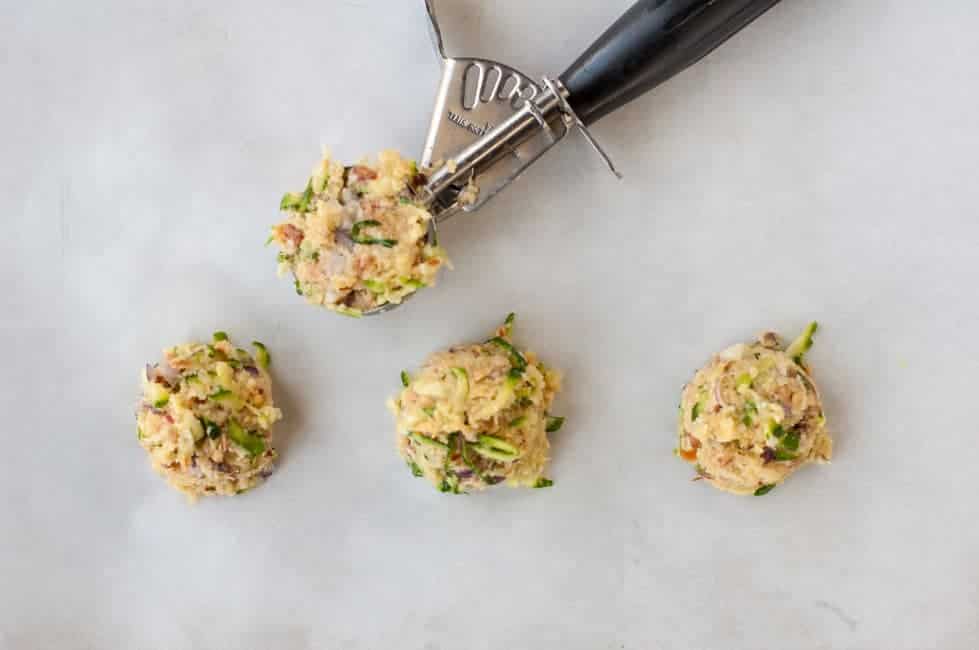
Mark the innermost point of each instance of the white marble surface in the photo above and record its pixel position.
(822, 165)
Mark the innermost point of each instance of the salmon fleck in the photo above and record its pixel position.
(292, 234)
(363, 173)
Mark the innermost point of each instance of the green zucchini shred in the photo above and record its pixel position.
(369, 241)
(554, 423)
(695, 412)
(324, 182)
(450, 483)
(797, 350)
(781, 454)
(289, 201)
(494, 444)
(262, 356)
(306, 197)
(494, 454)
(425, 440)
(211, 430)
(517, 359)
(775, 429)
(791, 440)
(462, 376)
(250, 442)
(465, 446)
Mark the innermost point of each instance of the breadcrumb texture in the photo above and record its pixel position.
(477, 415)
(205, 417)
(356, 238)
(751, 417)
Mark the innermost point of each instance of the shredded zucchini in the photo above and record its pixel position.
(803, 344)
(251, 443)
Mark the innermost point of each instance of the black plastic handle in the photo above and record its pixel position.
(650, 43)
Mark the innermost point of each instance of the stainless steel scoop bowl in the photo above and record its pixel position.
(491, 121)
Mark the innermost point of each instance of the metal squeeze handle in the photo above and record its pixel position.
(651, 42)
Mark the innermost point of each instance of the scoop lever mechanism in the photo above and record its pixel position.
(491, 121)
(489, 124)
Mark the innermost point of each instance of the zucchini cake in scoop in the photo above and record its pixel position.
(205, 417)
(356, 238)
(477, 415)
(753, 415)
